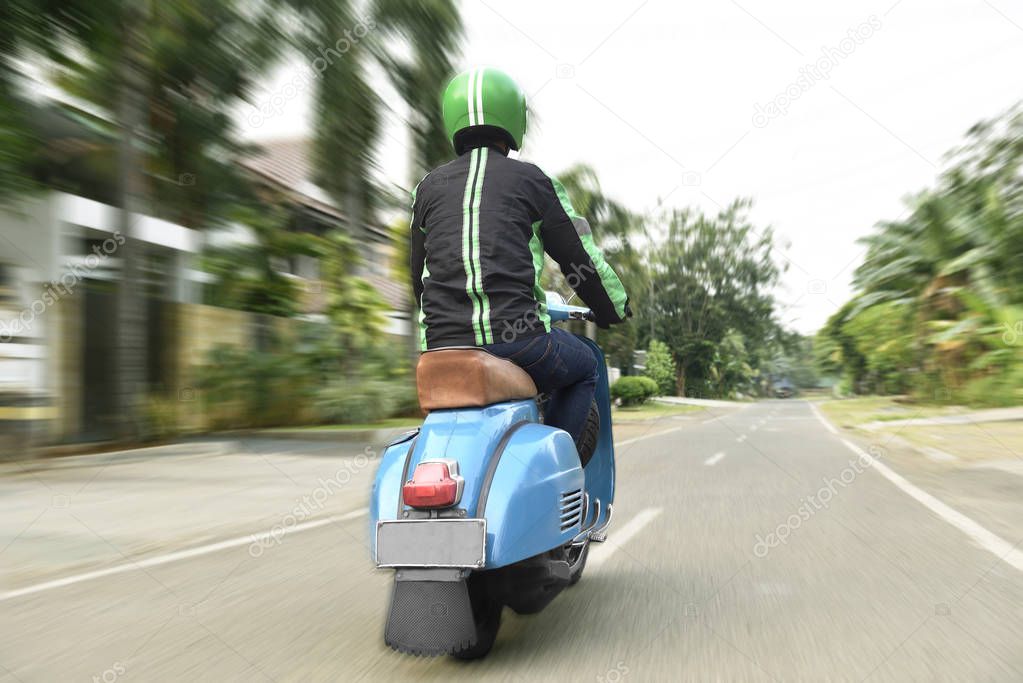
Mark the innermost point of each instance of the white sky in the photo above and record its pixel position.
(659, 97)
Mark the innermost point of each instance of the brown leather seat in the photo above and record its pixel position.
(469, 378)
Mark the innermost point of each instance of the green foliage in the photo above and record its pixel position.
(342, 401)
(242, 388)
(710, 290)
(617, 231)
(248, 276)
(162, 416)
(634, 390)
(433, 31)
(44, 34)
(941, 292)
(192, 63)
(660, 367)
(303, 382)
(348, 107)
(885, 341)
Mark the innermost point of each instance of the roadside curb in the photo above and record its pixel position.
(187, 449)
(703, 402)
(345, 436)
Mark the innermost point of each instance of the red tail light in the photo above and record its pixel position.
(434, 484)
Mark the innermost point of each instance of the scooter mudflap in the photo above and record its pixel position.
(430, 617)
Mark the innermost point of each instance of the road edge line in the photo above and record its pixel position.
(980, 535)
(823, 420)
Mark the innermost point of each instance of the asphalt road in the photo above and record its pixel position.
(754, 546)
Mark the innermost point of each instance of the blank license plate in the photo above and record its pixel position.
(431, 543)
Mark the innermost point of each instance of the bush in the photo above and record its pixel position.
(245, 389)
(343, 401)
(634, 391)
(660, 367)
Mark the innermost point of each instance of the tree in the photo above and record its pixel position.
(730, 369)
(175, 71)
(711, 277)
(248, 276)
(42, 34)
(345, 38)
(433, 31)
(619, 233)
(660, 367)
(941, 291)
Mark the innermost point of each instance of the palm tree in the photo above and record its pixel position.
(620, 233)
(433, 30)
(348, 107)
(952, 270)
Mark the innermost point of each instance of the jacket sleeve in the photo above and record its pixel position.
(417, 249)
(567, 238)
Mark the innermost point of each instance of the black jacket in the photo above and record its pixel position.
(480, 226)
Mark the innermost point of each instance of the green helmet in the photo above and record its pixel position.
(484, 100)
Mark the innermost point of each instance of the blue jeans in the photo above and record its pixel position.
(562, 366)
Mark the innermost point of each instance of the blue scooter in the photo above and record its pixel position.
(485, 506)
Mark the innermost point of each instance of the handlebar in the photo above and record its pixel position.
(561, 312)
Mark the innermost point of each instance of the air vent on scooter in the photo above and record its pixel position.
(571, 509)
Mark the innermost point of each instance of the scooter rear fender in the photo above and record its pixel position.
(469, 436)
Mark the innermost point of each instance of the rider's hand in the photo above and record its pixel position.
(605, 324)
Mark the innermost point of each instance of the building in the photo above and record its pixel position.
(59, 269)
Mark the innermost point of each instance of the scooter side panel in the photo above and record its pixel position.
(600, 470)
(469, 436)
(383, 499)
(523, 511)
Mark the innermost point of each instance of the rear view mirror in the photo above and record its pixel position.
(553, 298)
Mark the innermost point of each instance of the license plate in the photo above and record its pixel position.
(431, 543)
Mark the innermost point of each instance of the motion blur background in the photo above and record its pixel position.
(818, 199)
(204, 206)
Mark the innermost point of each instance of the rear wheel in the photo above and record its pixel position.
(486, 614)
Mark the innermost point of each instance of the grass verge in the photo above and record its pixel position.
(967, 442)
(855, 412)
(651, 411)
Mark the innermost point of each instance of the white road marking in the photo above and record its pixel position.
(754, 428)
(624, 534)
(602, 552)
(619, 444)
(714, 459)
(145, 563)
(987, 540)
(817, 413)
(741, 438)
(994, 544)
(199, 551)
